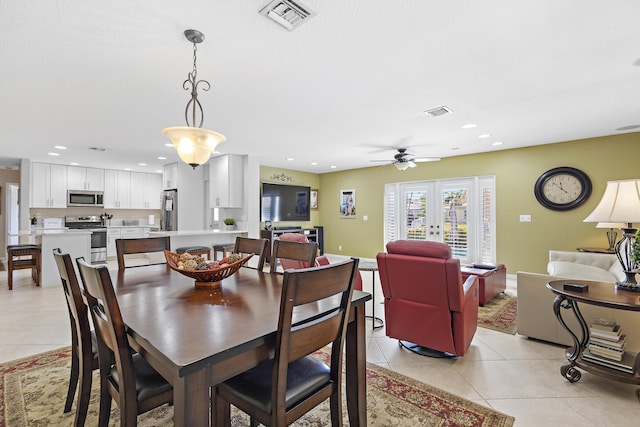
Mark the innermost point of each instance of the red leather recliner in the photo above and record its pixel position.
(320, 260)
(425, 301)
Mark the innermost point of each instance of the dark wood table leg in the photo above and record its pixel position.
(356, 368)
(191, 401)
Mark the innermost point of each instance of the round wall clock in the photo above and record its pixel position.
(562, 188)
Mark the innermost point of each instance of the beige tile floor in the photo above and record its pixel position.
(512, 374)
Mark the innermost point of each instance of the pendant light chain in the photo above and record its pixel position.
(192, 84)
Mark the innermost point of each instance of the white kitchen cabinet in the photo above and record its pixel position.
(117, 189)
(146, 189)
(170, 176)
(226, 181)
(48, 186)
(79, 178)
(114, 233)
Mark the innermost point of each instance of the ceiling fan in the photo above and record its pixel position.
(403, 160)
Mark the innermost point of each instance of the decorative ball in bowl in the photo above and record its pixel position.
(208, 274)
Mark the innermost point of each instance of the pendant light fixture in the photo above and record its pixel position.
(194, 144)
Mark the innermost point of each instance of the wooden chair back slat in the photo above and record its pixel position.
(297, 251)
(246, 245)
(140, 246)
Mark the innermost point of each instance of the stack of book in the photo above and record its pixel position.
(606, 346)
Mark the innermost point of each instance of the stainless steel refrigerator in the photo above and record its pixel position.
(169, 217)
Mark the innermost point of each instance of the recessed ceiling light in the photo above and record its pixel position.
(74, 164)
(168, 144)
(497, 143)
(333, 166)
(60, 147)
(314, 163)
(469, 126)
(127, 169)
(158, 170)
(142, 164)
(486, 135)
(289, 159)
(54, 154)
(162, 158)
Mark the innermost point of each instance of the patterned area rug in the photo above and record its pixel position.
(499, 314)
(33, 391)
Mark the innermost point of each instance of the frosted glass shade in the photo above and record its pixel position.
(620, 203)
(194, 145)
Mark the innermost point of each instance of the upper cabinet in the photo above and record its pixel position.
(48, 186)
(170, 176)
(226, 181)
(79, 178)
(146, 190)
(117, 192)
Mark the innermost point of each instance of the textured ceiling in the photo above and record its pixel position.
(347, 87)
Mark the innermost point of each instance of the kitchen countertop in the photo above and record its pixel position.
(194, 232)
(45, 231)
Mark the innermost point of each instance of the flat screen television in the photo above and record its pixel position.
(280, 202)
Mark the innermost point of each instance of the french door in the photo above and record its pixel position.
(458, 212)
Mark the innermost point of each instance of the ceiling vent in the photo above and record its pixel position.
(286, 13)
(437, 112)
(99, 149)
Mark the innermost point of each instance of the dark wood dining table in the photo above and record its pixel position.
(199, 337)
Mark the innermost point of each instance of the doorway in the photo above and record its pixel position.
(12, 216)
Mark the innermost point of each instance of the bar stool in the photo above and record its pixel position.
(195, 250)
(225, 248)
(17, 257)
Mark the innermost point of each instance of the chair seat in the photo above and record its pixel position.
(305, 376)
(149, 383)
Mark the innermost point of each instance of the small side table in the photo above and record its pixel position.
(372, 266)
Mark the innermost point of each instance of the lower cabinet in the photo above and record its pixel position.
(114, 233)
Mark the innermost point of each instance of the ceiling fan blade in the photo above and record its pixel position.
(426, 159)
(386, 161)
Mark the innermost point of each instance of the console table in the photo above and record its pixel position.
(600, 294)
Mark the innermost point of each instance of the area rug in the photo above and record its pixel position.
(499, 314)
(33, 391)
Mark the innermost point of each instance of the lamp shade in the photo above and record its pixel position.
(611, 225)
(401, 166)
(620, 203)
(194, 145)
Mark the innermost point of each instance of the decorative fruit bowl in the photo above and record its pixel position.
(207, 278)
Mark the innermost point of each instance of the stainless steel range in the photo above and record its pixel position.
(98, 230)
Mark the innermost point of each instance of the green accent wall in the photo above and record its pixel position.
(521, 246)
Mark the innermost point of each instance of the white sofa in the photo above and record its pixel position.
(535, 302)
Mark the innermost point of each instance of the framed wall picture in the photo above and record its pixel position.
(314, 199)
(347, 203)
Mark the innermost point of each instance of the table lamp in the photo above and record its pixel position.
(621, 203)
(611, 235)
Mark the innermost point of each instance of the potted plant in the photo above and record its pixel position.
(230, 223)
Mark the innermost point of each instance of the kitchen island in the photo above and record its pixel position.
(75, 242)
(199, 237)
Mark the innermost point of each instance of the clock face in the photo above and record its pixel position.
(562, 188)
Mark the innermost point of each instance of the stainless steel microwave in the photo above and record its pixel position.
(85, 198)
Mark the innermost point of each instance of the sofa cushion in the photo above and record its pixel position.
(573, 270)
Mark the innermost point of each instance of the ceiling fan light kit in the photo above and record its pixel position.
(403, 160)
(194, 144)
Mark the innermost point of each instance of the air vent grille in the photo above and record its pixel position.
(437, 112)
(286, 13)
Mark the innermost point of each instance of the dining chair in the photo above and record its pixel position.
(246, 245)
(140, 245)
(293, 251)
(279, 391)
(84, 348)
(124, 375)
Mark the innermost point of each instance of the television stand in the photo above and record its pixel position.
(314, 234)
